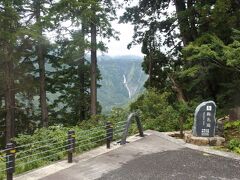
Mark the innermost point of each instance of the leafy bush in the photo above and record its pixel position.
(117, 115)
(232, 124)
(188, 124)
(232, 135)
(160, 112)
(47, 145)
(234, 145)
(155, 111)
(42, 147)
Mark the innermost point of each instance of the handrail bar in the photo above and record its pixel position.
(128, 123)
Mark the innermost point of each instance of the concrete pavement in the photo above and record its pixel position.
(153, 157)
(156, 156)
(182, 164)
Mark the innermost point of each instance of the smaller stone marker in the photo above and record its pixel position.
(204, 120)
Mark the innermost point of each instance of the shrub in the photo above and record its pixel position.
(155, 111)
(232, 124)
(47, 145)
(234, 145)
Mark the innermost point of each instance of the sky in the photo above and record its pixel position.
(117, 48)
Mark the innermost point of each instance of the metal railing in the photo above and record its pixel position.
(128, 123)
(25, 157)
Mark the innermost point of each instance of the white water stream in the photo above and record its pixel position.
(126, 85)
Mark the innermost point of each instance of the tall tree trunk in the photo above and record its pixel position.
(41, 63)
(192, 18)
(82, 77)
(93, 68)
(81, 88)
(9, 97)
(43, 96)
(181, 99)
(183, 22)
(150, 69)
(177, 88)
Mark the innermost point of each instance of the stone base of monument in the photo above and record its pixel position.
(204, 141)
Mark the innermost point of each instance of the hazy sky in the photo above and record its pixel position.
(120, 47)
(115, 48)
(126, 32)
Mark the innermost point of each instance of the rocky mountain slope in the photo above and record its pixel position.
(122, 80)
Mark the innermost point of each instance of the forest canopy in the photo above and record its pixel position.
(191, 48)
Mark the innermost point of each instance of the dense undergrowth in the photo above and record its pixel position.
(232, 135)
(158, 113)
(48, 145)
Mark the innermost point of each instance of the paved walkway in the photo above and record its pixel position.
(153, 157)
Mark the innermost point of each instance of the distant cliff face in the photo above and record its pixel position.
(122, 80)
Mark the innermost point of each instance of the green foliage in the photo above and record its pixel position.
(16, 47)
(234, 145)
(208, 34)
(120, 115)
(156, 65)
(117, 115)
(47, 145)
(214, 67)
(188, 123)
(232, 135)
(92, 122)
(156, 112)
(208, 67)
(232, 54)
(205, 47)
(233, 124)
(36, 147)
(24, 26)
(69, 82)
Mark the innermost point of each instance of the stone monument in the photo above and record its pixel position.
(204, 120)
(204, 126)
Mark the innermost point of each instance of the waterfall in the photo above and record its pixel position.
(126, 85)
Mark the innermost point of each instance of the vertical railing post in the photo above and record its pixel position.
(139, 125)
(10, 160)
(71, 145)
(109, 134)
